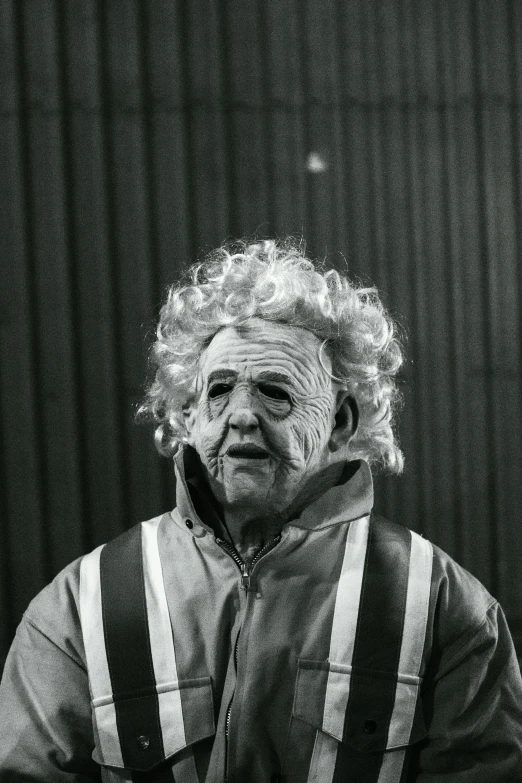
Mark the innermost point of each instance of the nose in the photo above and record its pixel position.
(243, 416)
(243, 420)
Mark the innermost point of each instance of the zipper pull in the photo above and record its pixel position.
(245, 577)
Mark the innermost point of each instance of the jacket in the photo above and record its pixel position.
(353, 650)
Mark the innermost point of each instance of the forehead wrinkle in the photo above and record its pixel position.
(289, 352)
(292, 373)
(308, 374)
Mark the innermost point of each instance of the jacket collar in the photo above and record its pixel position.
(351, 499)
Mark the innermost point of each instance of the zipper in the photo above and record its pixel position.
(246, 571)
(244, 567)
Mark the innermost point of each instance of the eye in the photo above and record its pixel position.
(274, 392)
(218, 389)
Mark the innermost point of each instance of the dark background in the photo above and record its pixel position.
(135, 136)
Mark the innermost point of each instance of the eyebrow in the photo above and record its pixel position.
(272, 375)
(221, 373)
(265, 375)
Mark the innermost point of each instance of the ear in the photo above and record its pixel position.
(346, 420)
(189, 416)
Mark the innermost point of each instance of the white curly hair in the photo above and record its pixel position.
(275, 281)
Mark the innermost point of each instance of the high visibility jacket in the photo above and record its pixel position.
(352, 650)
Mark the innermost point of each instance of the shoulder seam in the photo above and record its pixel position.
(468, 635)
(53, 642)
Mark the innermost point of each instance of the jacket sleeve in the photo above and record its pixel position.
(45, 720)
(45, 716)
(473, 709)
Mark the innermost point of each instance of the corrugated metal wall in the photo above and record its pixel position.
(135, 135)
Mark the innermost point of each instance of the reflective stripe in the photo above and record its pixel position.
(391, 767)
(344, 625)
(342, 640)
(412, 640)
(164, 654)
(413, 636)
(161, 641)
(401, 720)
(323, 759)
(417, 605)
(93, 637)
(412, 646)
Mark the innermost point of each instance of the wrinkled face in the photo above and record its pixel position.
(263, 421)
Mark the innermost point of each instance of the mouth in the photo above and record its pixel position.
(246, 451)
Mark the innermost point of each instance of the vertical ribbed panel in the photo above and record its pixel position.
(23, 564)
(135, 136)
(90, 235)
(55, 311)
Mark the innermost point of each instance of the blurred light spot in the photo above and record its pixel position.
(316, 163)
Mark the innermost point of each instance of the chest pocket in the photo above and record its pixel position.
(140, 730)
(359, 715)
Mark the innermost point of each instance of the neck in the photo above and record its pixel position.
(250, 534)
(251, 531)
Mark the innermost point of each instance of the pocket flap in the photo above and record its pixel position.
(143, 728)
(383, 713)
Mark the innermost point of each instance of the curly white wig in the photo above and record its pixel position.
(276, 282)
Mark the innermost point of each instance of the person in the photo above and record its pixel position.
(271, 627)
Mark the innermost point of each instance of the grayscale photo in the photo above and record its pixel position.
(261, 391)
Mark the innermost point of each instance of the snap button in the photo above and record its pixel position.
(143, 742)
(189, 523)
(369, 726)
